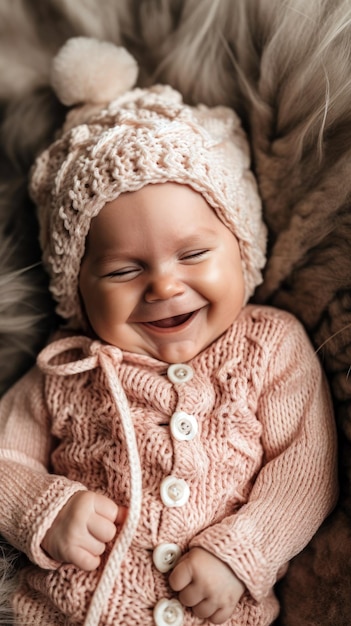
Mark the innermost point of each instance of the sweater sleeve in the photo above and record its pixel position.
(296, 487)
(31, 497)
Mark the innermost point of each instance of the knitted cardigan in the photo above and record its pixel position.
(261, 470)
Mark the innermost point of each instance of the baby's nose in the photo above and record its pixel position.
(164, 287)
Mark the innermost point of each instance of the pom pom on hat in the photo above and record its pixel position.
(89, 71)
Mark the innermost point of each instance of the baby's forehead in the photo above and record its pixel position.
(171, 209)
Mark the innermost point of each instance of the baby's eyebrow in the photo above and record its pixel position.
(202, 236)
(196, 237)
(125, 252)
(109, 257)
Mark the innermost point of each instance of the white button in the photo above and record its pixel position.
(183, 426)
(174, 491)
(165, 556)
(180, 373)
(168, 612)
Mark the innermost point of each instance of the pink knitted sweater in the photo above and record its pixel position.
(243, 435)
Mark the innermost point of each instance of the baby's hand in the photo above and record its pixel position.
(207, 585)
(82, 528)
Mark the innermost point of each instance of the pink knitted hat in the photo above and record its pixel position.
(118, 139)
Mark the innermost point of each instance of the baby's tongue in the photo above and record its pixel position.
(168, 322)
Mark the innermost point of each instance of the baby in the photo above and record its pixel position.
(174, 447)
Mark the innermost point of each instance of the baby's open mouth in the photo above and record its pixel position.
(171, 322)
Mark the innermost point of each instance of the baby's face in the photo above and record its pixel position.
(162, 275)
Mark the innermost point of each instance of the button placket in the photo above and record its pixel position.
(165, 556)
(174, 491)
(183, 426)
(179, 373)
(168, 612)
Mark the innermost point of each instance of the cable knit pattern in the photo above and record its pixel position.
(261, 469)
(145, 136)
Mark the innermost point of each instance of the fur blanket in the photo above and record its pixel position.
(285, 66)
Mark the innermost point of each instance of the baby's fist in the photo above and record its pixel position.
(207, 585)
(82, 529)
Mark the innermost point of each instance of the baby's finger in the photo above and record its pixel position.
(105, 507)
(93, 546)
(84, 559)
(181, 576)
(221, 616)
(121, 515)
(192, 596)
(205, 609)
(101, 528)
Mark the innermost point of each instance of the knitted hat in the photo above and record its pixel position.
(118, 139)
